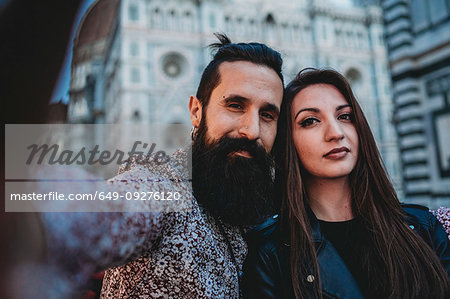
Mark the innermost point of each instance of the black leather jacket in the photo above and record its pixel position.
(267, 267)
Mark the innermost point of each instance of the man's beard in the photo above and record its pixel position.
(236, 189)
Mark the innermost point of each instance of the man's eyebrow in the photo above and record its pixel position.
(306, 109)
(266, 106)
(271, 107)
(234, 97)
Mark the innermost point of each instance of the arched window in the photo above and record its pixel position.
(239, 26)
(285, 31)
(355, 78)
(212, 21)
(270, 26)
(252, 28)
(135, 75)
(187, 22)
(270, 19)
(136, 116)
(133, 12)
(134, 49)
(156, 18)
(173, 20)
(228, 25)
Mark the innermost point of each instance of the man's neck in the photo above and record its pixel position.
(330, 199)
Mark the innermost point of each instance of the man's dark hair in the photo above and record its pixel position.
(229, 52)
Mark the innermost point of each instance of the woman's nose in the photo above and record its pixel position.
(334, 131)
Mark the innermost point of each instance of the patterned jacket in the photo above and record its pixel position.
(189, 254)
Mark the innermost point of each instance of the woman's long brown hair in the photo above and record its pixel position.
(399, 262)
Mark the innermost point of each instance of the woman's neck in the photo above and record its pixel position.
(330, 199)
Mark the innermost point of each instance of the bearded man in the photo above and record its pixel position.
(196, 252)
(234, 114)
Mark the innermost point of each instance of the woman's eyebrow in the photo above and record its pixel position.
(306, 109)
(342, 107)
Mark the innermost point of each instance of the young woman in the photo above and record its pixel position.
(342, 232)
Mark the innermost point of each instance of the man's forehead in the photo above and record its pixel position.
(249, 80)
(242, 66)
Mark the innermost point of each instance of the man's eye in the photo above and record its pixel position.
(267, 116)
(235, 106)
(309, 121)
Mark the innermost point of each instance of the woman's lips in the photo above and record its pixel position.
(337, 153)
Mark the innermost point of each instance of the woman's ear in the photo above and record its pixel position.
(195, 108)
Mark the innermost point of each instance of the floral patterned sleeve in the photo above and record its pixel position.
(79, 244)
(443, 215)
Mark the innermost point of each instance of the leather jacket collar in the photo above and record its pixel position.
(337, 280)
(317, 235)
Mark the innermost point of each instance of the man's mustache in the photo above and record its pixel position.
(228, 145)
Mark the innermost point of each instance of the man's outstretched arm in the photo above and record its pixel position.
(79, 244)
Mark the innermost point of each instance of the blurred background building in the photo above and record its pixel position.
(138, 61)
(418, 39)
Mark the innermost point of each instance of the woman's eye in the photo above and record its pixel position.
(346, 116)
(308, 122)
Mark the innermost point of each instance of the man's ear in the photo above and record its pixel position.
(195, 107)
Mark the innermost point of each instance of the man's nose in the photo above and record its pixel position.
(334, 131)
(249, 127)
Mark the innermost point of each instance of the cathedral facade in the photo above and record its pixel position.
(418, 38)
(146, 64)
